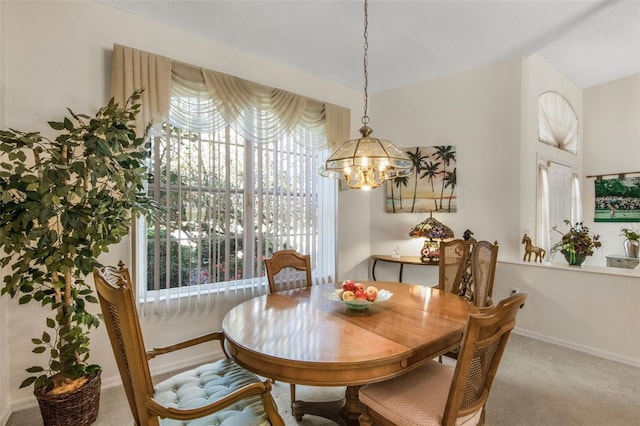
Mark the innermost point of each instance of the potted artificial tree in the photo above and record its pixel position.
(63, 202)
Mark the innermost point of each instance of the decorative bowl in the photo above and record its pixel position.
(359, 304)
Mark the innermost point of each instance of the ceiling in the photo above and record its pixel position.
(589, 41)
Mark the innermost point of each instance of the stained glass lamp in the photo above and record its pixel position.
(433, 231)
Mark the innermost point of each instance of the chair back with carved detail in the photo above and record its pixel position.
(484, 257)
(454, 257)
(288, 269)
(467, 268)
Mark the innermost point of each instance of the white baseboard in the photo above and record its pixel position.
(635, 362)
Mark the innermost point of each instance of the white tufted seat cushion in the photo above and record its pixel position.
(416, 398)
(209, 382)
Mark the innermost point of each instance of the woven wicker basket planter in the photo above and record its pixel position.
(76, 408)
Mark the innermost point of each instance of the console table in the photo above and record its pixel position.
(402, 260)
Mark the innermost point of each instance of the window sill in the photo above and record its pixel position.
(605, 270)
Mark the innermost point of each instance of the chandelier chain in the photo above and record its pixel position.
(367, 162)
(365, 117)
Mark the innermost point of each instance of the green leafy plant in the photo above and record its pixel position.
(63, 202)
(631, 234)
(577, 242)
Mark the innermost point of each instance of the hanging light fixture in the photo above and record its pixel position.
(367, 162)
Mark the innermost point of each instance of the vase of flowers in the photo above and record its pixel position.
(631, 242)
(576, 244)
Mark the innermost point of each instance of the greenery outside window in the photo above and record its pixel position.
(230, 203)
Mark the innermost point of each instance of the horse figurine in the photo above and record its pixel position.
(530, 248)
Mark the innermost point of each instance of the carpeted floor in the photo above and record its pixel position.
(538, 384)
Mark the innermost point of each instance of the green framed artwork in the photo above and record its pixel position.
(431, 187)
(617, 200)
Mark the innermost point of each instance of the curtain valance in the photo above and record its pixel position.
(200, 99)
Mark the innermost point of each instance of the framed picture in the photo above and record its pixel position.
(617, 200)
(431, 187)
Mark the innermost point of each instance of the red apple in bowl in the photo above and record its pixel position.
(359, 286)
(360, 294)
(348, 285)
(372, 293)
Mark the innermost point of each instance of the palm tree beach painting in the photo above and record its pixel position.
(431, 187)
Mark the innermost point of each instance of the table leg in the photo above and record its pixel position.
(350, 412)
(328, 410)
(345, 412)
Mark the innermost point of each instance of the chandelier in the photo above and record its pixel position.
(367, 162)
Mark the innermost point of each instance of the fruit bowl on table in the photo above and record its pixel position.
(359, 304)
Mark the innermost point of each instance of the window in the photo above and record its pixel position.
(235, 165)
(230, 202)
(557, 122)
(559, 199)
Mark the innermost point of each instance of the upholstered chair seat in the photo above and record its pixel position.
(402, 401)
(198, 387)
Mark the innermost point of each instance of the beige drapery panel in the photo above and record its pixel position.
(576, 198)
(134, 69)
(542, 217)
(337, 125)
(251, 108)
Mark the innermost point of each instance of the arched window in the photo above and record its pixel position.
(557, 122)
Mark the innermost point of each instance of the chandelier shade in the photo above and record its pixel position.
(367, 162)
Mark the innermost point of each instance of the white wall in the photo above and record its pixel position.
(478, 112)
(4, 346)
(58, 55)
(5, 411)
(491, 115)
(611, 145)
(589, 309)
(612, 127)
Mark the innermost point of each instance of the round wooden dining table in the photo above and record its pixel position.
(303, 337)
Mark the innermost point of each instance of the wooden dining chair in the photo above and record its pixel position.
(286, 270)
(453, 265)
(437, 394)
(483, 260)
(467, 268)
(221, 393)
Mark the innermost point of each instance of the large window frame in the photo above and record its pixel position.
(300, 204)
(200, 100)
